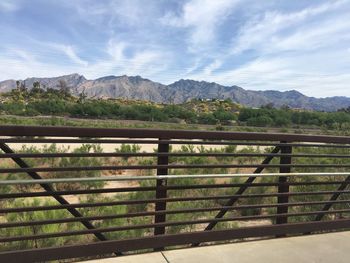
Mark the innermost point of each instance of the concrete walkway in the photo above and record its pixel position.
(333, 247)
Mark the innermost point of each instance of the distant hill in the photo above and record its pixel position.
(136, 87)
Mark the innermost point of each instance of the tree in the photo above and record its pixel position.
(261, 121)
(36, 88)
(16, 93)
(63, 87)
(246, 113)
(36, 84)
(82, 97)
(223, 116)
(23, 87)
(268, 106)
(207, 118)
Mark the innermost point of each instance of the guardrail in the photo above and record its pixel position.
(220, 186)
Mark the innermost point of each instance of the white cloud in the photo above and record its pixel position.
(277, 45)
(9, 5)
(310, 74)
(202, 17)
(212, 67)
(113, 13)
(71, 54)
(116, 49)
(131, 12)
(327, 33)
(262, 32)
(304, 50)
(147, 62)
(21, 64)
(57, 49)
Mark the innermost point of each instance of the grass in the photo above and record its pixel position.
(112, 123)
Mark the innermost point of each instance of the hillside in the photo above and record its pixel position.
(136, 87)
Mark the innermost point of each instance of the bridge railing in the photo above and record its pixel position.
(88, 192)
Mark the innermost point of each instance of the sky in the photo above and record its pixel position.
(258, 45)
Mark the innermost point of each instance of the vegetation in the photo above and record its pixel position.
(37, 101)
(285, 117)
(60, 103)
(135, 208)
(222, 114)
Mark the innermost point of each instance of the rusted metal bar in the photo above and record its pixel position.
(48, 188)
(174, 211)
(155, 177)
(107, 247)
(145, 226)
(135, 141)
(283, 144)
(334, 197)
(283, 187)
(240, 191)
(217, 141)
(50, 131)
(170, 166)
(164, 224)
(153, 188)
(176, 199)
(161, 192)
(79, 192)
(172, 154)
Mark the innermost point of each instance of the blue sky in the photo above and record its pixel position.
(258, 45)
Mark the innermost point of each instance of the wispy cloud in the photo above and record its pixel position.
(69, 51)
(303, 50)
(201, 17)
(9, 5)
(20, 63)
(146, 62)
(263, 31)
(212, 67)
(273, 44)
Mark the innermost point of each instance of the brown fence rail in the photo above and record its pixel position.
(81, 193)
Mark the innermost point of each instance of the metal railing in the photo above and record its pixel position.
(220, 186)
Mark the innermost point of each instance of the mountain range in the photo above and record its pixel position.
(136, 87)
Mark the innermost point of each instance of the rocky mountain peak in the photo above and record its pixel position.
(136, 87)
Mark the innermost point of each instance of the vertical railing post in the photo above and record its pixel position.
(283, 186)
(160, 188)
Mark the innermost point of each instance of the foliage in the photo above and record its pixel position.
(117, 212)
(128, 148)
(285, 117)
(59, 102)
(39, 101)
(38, 229)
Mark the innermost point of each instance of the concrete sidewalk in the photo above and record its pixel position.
(333, 247)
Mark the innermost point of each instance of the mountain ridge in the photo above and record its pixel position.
(136, 87)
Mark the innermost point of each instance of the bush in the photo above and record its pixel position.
(261, 121)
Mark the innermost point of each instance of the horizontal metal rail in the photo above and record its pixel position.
(170, 154)
(170, 166)
(56, 131)
(157, 205)
(153, 188)
(167, 224)
(142, 178)
(175, 142)
(168, 212)
(172, 199)
(107, 247)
